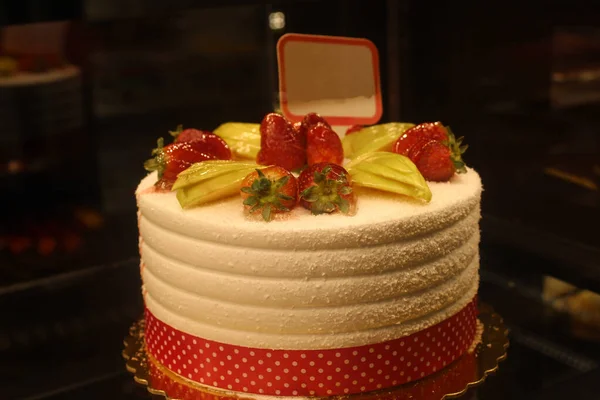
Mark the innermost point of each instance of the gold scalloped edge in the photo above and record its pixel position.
(498, 347)
(136, 358)
(490, 352)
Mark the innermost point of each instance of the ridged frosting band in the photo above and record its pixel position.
(311, 282)
(297, 292)
(324, 320)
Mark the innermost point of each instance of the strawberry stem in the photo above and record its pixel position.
(158, 162)
(266, 212)
(265, 194)
(177, 131)
(326, 194)
(456, 151)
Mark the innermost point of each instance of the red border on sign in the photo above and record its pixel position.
(331, 119)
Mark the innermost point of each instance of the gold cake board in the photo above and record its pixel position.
(453, 381)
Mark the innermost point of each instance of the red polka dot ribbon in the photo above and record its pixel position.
(452, 379)
(311, 372)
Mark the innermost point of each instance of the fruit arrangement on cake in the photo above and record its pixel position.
(277, 165)
(282, 259)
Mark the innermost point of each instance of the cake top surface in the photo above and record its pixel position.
(378, 214)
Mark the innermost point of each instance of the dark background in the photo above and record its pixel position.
(519, 79)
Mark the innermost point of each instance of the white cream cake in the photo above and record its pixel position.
(395, 268)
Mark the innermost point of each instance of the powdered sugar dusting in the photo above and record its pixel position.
(478, 338)
(379, 219)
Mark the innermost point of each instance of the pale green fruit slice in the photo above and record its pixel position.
(199, 172)
(215, 188)
(242, 138)
(373, 138)
(389, 172)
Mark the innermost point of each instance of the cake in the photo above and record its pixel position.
(41, 94)
(311, 305)
(29, 108)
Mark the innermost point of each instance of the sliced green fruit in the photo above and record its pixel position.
(374, 138)
(209, 169)
(242, 138)
(216, 188)
(211, 180)
(389, 172)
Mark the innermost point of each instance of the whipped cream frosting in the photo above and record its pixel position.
(311, 282)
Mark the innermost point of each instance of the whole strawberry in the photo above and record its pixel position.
(280, 143)
(434, 150)
(433, 160)
(310, 120)
(270, 190)
(313, 119)
(174, 158)
(191, 134)
(323, 145)
(425, 131)
(325, 188)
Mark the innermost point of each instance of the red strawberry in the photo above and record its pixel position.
(170, 160)
(213, 144)
(433, 159)
(313, 119)
(323, 145)
(353, 129)
(190, 134)
(325, 188)
(270, 190)
(280, 143)
(434, 150)
(425, 131)
(310, 120)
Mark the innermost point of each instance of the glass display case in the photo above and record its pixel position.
(86, 88)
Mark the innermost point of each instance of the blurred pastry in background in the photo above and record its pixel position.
(583, 306)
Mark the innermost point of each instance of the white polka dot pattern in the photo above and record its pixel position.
(312, 372)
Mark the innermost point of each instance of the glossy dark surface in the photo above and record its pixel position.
(520, 81)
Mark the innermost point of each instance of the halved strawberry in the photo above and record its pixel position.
(421, 132)
(323, 145)
(170, 160)
(191, 134)
(280, 143)
(353, 129)
(270, 190)
(325, 188)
